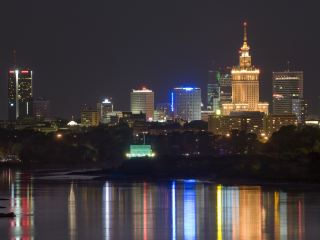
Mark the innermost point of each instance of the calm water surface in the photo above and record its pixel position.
(146, 210)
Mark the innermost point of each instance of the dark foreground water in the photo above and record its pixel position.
(178, 209)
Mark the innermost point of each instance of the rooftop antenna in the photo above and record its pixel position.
(14, 57)
(288, 65)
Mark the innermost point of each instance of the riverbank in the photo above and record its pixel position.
(255, 168)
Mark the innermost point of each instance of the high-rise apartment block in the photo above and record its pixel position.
(20, 93)
(142, 101)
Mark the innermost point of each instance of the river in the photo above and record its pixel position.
(179, 209)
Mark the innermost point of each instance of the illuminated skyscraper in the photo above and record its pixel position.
(225, 80)
(213, 96)
(288, 93)
(219, 89)
(186, 103)
(19, 93)
(104, 110)
(142, 101)
(245, 84)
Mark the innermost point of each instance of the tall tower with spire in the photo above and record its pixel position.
(245, 83)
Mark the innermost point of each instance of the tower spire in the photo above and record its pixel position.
(245, 38)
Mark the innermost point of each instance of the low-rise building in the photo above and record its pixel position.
(275, 122)
(90, 117)
(253, 122)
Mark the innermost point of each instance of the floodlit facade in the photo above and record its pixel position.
(142, 101)
(251, 122)
(245, 84)
(138, 151)
(90, 118)
(186, 103)
(288, 94)
(20, 93)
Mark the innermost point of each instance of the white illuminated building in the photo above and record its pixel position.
(142, 101)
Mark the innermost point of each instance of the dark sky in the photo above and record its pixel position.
(84, 50)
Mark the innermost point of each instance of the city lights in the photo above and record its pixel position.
(59, 135)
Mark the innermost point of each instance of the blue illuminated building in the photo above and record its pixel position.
(186, 103)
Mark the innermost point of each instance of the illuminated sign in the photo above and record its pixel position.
(172, 108)
(24, 71)
(188, 88)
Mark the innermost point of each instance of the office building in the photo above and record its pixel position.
(89, 117)
(132, 118)
(20, 93)
(225, 80)
(213, 96)
(162, 112)
(245, 84)
(41, 108)
(288, 94)
(104, 109)
(142, 101)
(213, 92)
(219, 89)
(186, 103)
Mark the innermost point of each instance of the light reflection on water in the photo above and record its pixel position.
(166, 210)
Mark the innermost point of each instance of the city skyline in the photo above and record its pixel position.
(157, 56)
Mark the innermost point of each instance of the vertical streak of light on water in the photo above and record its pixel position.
(283, 216)
(72, 213)
(145, 214)
(189, 212)
(106, 217)
(173, 209)
(219, 212)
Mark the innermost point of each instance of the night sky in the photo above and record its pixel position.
(84, 50)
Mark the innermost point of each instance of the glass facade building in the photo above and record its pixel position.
(219, 89)
(186, 103)
(20, 94)
(288, 93)
(104, 109)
